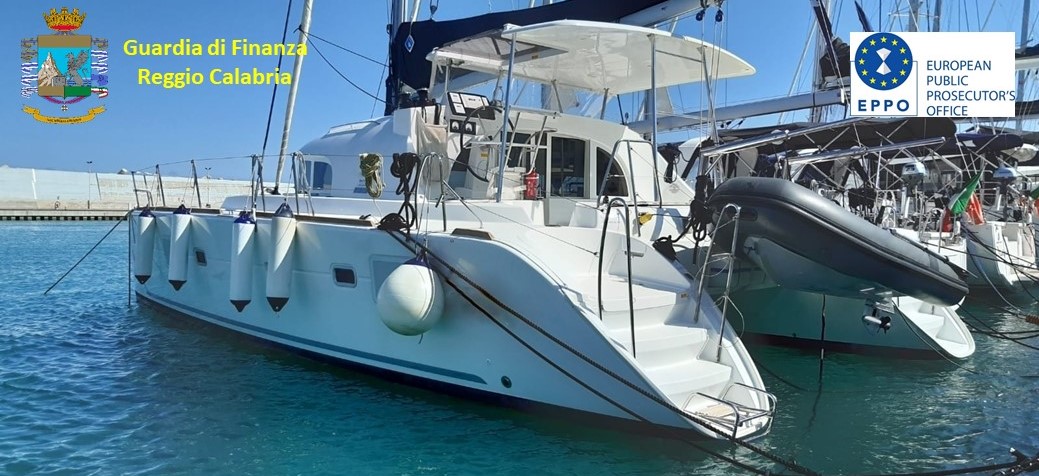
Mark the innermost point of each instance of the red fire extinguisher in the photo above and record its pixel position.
(531, 182)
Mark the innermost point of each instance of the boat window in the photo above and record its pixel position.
(568, 167)
(522, 147)
(200, 257)
(616, 185)
(319, 174)
(344, 276)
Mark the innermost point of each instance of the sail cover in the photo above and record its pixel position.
(868, 133)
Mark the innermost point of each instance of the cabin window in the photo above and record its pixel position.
(523, 148)
(344, 276)
(613, 182)
(568, 167)
(200, 257)
(320, 174)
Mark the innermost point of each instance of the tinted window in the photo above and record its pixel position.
(322, 178)
(568, 167)
(344, 276)
(616, 184)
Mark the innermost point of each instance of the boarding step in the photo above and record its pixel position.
(731, 416)
(615, 295)
(660, 344)
(688, 377)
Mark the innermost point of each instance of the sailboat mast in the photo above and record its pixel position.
(397, 16)
(822, 45)
(290, 105)
(914, 15)
(936, 22)
(1024, 44)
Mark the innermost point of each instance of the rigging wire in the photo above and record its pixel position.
(382, 75)
(340, 73)
(274, 92)
(348, 50)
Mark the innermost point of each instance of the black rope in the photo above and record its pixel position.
(404, 166)
(274, 92)
(993, 332)
(700, 216)
(671, 154)
(502, 326)
(793, 465)
(1021, 464)
(1017, 267)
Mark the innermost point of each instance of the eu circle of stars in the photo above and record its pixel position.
(883, 61)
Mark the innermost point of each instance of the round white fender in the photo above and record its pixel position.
(279, 268)
(180, 229)
(411, 299)
(242, 260)
(145, 246)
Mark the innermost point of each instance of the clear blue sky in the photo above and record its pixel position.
(145, 125)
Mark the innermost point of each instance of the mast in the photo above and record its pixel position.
(290, 106)
(397, 15)
(1024, 44)
(914, 16)
(936, 21)
(823, 44)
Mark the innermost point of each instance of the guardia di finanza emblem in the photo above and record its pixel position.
(64, 70)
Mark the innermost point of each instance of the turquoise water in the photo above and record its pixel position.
(92, 385)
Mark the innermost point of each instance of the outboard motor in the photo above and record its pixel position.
(913, 174)
(1005, 176)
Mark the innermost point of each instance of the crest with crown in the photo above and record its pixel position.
(64, 21)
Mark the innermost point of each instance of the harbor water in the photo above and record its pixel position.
(92, 383)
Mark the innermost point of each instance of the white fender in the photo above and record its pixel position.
(180, 230)
(411, 299)
(242, 261)
(145, 246)
(279, 268)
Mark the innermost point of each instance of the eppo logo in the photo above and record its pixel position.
(883, 64)
(884, 61)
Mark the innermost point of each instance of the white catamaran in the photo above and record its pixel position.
(508, 267)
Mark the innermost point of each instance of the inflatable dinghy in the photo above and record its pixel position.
(805, 241)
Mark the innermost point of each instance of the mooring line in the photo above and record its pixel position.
(125, 217)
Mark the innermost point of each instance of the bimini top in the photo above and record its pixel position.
(592, 56)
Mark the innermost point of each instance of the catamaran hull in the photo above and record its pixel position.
(1001, 255)
(439, 386)
(776, 315)
(496, 357)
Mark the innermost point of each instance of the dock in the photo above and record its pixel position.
(60, 215)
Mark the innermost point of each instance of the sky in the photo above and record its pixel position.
(220, 125)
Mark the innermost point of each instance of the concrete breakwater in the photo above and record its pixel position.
(61, 215)
(28, 189)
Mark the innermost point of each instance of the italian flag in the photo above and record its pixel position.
(965, 201)
(958, 203)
